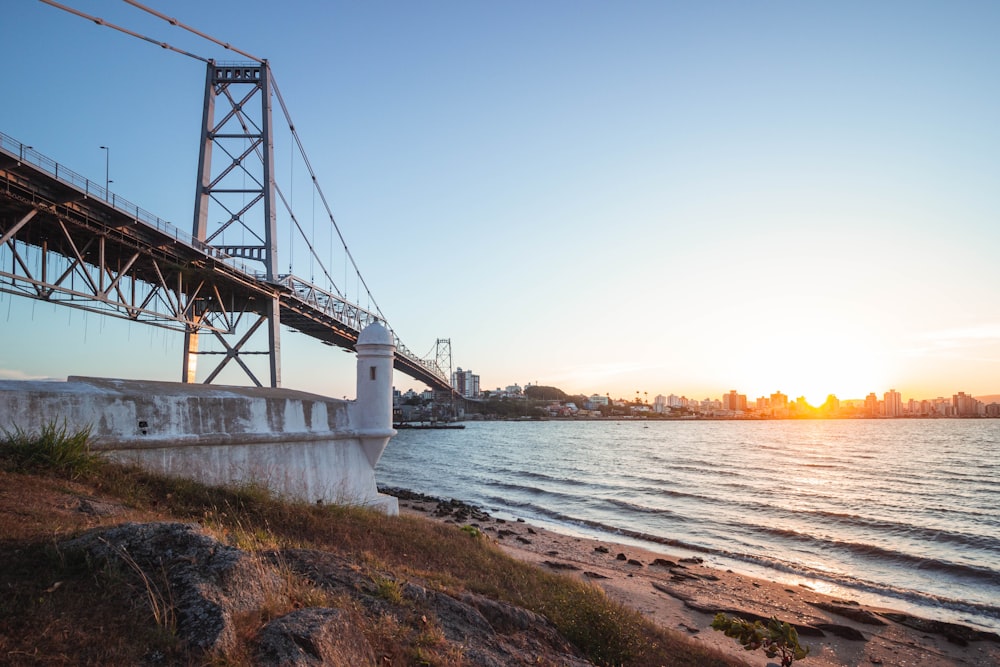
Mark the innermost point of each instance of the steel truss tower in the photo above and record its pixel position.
(234, 207)
(442, 349)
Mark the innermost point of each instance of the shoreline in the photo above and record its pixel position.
(684, 593)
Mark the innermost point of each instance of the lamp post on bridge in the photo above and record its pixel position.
(107, 162)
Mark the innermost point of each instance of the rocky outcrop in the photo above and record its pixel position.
(486, 632)
(316, 636)
(204, 584)
(188, 575)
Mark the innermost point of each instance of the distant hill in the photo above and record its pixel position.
(991, 398)
(541, 393)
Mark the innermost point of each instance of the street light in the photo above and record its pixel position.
(107, 160)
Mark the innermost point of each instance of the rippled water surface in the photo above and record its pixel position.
(901, 512)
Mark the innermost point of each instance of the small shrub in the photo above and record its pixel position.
(389, 590)
(776, 638)
(54, 448)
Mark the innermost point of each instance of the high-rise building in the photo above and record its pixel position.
(735, 402)
(965, 405)
(779, 404)
(465, 383)
(893, 402)
(871, 405)
(660, 404)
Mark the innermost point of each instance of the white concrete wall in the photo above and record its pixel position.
(299, 445)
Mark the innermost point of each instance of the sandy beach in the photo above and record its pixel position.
(684, 595)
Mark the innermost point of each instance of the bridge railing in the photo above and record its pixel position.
(29, 155)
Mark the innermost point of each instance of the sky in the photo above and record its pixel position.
(656, 197)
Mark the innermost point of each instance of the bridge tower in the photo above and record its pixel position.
(444, 399)
(442, 356)
(234, 207)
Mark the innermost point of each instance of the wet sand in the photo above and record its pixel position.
(684, 595)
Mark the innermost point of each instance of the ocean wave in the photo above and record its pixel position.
(929, 534)
(987, 611)
(645, 509)
(974, 573)
(553, 495)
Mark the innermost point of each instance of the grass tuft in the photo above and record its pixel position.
(55, 448)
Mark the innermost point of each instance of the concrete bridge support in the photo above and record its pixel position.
(301, 446)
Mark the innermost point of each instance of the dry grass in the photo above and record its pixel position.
(78, 621)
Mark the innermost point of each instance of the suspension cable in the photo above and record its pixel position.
(326, 205)
(100, 21)
(175, 22)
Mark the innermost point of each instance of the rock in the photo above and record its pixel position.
(207, 581)
(595, 575)
(633, 561)
(504, 617)
(487, 633)
(97, 507)
(663, 562)
(694, 559)
(316, 636)
(843, 631)
(523, 540)
(621, 557)
(556, 565)
(852, 612)
(484, 632)
(602, 550)
(960, 635)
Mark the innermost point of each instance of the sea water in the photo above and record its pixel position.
(901, 513)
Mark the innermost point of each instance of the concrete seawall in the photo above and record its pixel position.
(300, 445)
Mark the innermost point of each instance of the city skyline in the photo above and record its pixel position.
(620, 196)
(646, 396)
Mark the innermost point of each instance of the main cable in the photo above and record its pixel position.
(100, 21)
(175, 22)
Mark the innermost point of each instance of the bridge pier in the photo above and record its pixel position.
(299, 445)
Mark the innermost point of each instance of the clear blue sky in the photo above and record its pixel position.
(660, 197)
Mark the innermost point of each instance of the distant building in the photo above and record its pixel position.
(871, 405)
(965, 405)
(660, 404)
(778, 404)
(465, 383)
(893, 404)
(734, 402)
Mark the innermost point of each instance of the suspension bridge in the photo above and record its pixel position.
(67, 240)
